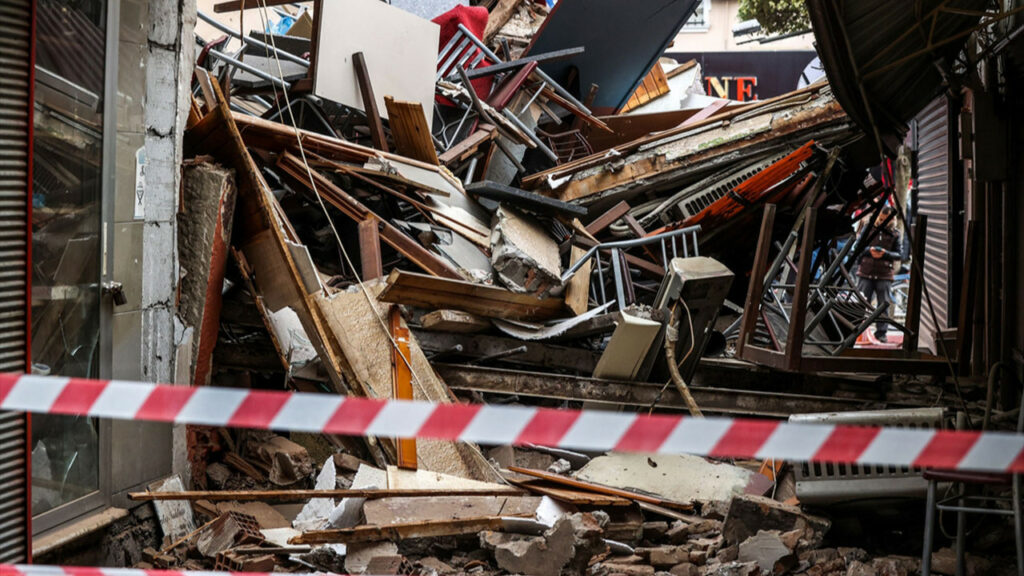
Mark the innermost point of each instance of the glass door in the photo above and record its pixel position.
(66, 239)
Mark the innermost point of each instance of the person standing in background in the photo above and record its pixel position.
(878, 265)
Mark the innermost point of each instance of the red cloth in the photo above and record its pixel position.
(474, 18)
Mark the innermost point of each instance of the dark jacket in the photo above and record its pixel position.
(883, 268)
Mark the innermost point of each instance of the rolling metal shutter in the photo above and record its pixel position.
(16, 101)
(933, 198)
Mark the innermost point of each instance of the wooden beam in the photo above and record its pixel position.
(566, 481)
(739, 401)
(303, 495)
(424, 291)
(469, 145)
(355, 210)
(380, 141)
(396, 532)
(605, 220)
(369, 249)
(401, 382)
(801, 294)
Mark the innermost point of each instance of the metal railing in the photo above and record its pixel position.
(683, 240)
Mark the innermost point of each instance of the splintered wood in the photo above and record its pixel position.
(355, 323)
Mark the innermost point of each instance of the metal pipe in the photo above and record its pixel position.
(503, 354)
(529, 133)
(617, 270)
(250, 69)
(554, 85)
(252, 41)
(849, 340)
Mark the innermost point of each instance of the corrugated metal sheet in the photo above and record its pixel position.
(933, 200)
(15, 185)
(887, 40)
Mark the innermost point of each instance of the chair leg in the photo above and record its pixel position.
(961, 533)
(1018, 525)
(929, 531)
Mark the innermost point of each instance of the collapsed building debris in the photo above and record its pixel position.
(439, 217)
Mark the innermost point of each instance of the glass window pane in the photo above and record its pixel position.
(66, 217)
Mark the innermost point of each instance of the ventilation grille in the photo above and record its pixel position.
(698, 202)
(15, 134)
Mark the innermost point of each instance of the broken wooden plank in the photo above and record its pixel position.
(610, 216)
(468, 146)
(409, 130)
(569, 495)
(396, 532)
(304, 494)
(355, 210)
(577, 289)
(454, 321)
(524, 200)
(275, 137)
(414, 289)
(369, 249)
(401, 381)
(380, 141)
(354, 321)
(579, 484)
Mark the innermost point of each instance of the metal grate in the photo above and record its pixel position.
(829, 483)
(15, 170)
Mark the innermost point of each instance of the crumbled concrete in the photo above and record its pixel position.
(533, 555)
(286, 461)
(767, 549)
(748, 514)
(523, 254)
(359, 555)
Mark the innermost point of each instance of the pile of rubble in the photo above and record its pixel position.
(379, 206)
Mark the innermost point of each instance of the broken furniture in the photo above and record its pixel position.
(964, 501)
(811, 303)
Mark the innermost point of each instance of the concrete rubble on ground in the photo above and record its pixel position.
(473, 232)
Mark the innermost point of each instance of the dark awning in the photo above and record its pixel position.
(893, 50)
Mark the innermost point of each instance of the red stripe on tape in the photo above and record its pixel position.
(78, 396)
(946, 449)
(547, 427)
(743, 439)
(648, 433)
(7, 382)
(258, 409)
(83, 571)
(353, 416)
(845, 444)
(164, 403)
(448, 420)
(1018, 463)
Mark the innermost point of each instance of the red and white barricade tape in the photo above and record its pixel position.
(40, 570)
(487, 424)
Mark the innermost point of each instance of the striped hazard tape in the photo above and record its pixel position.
(487, 424)
(40, 570)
